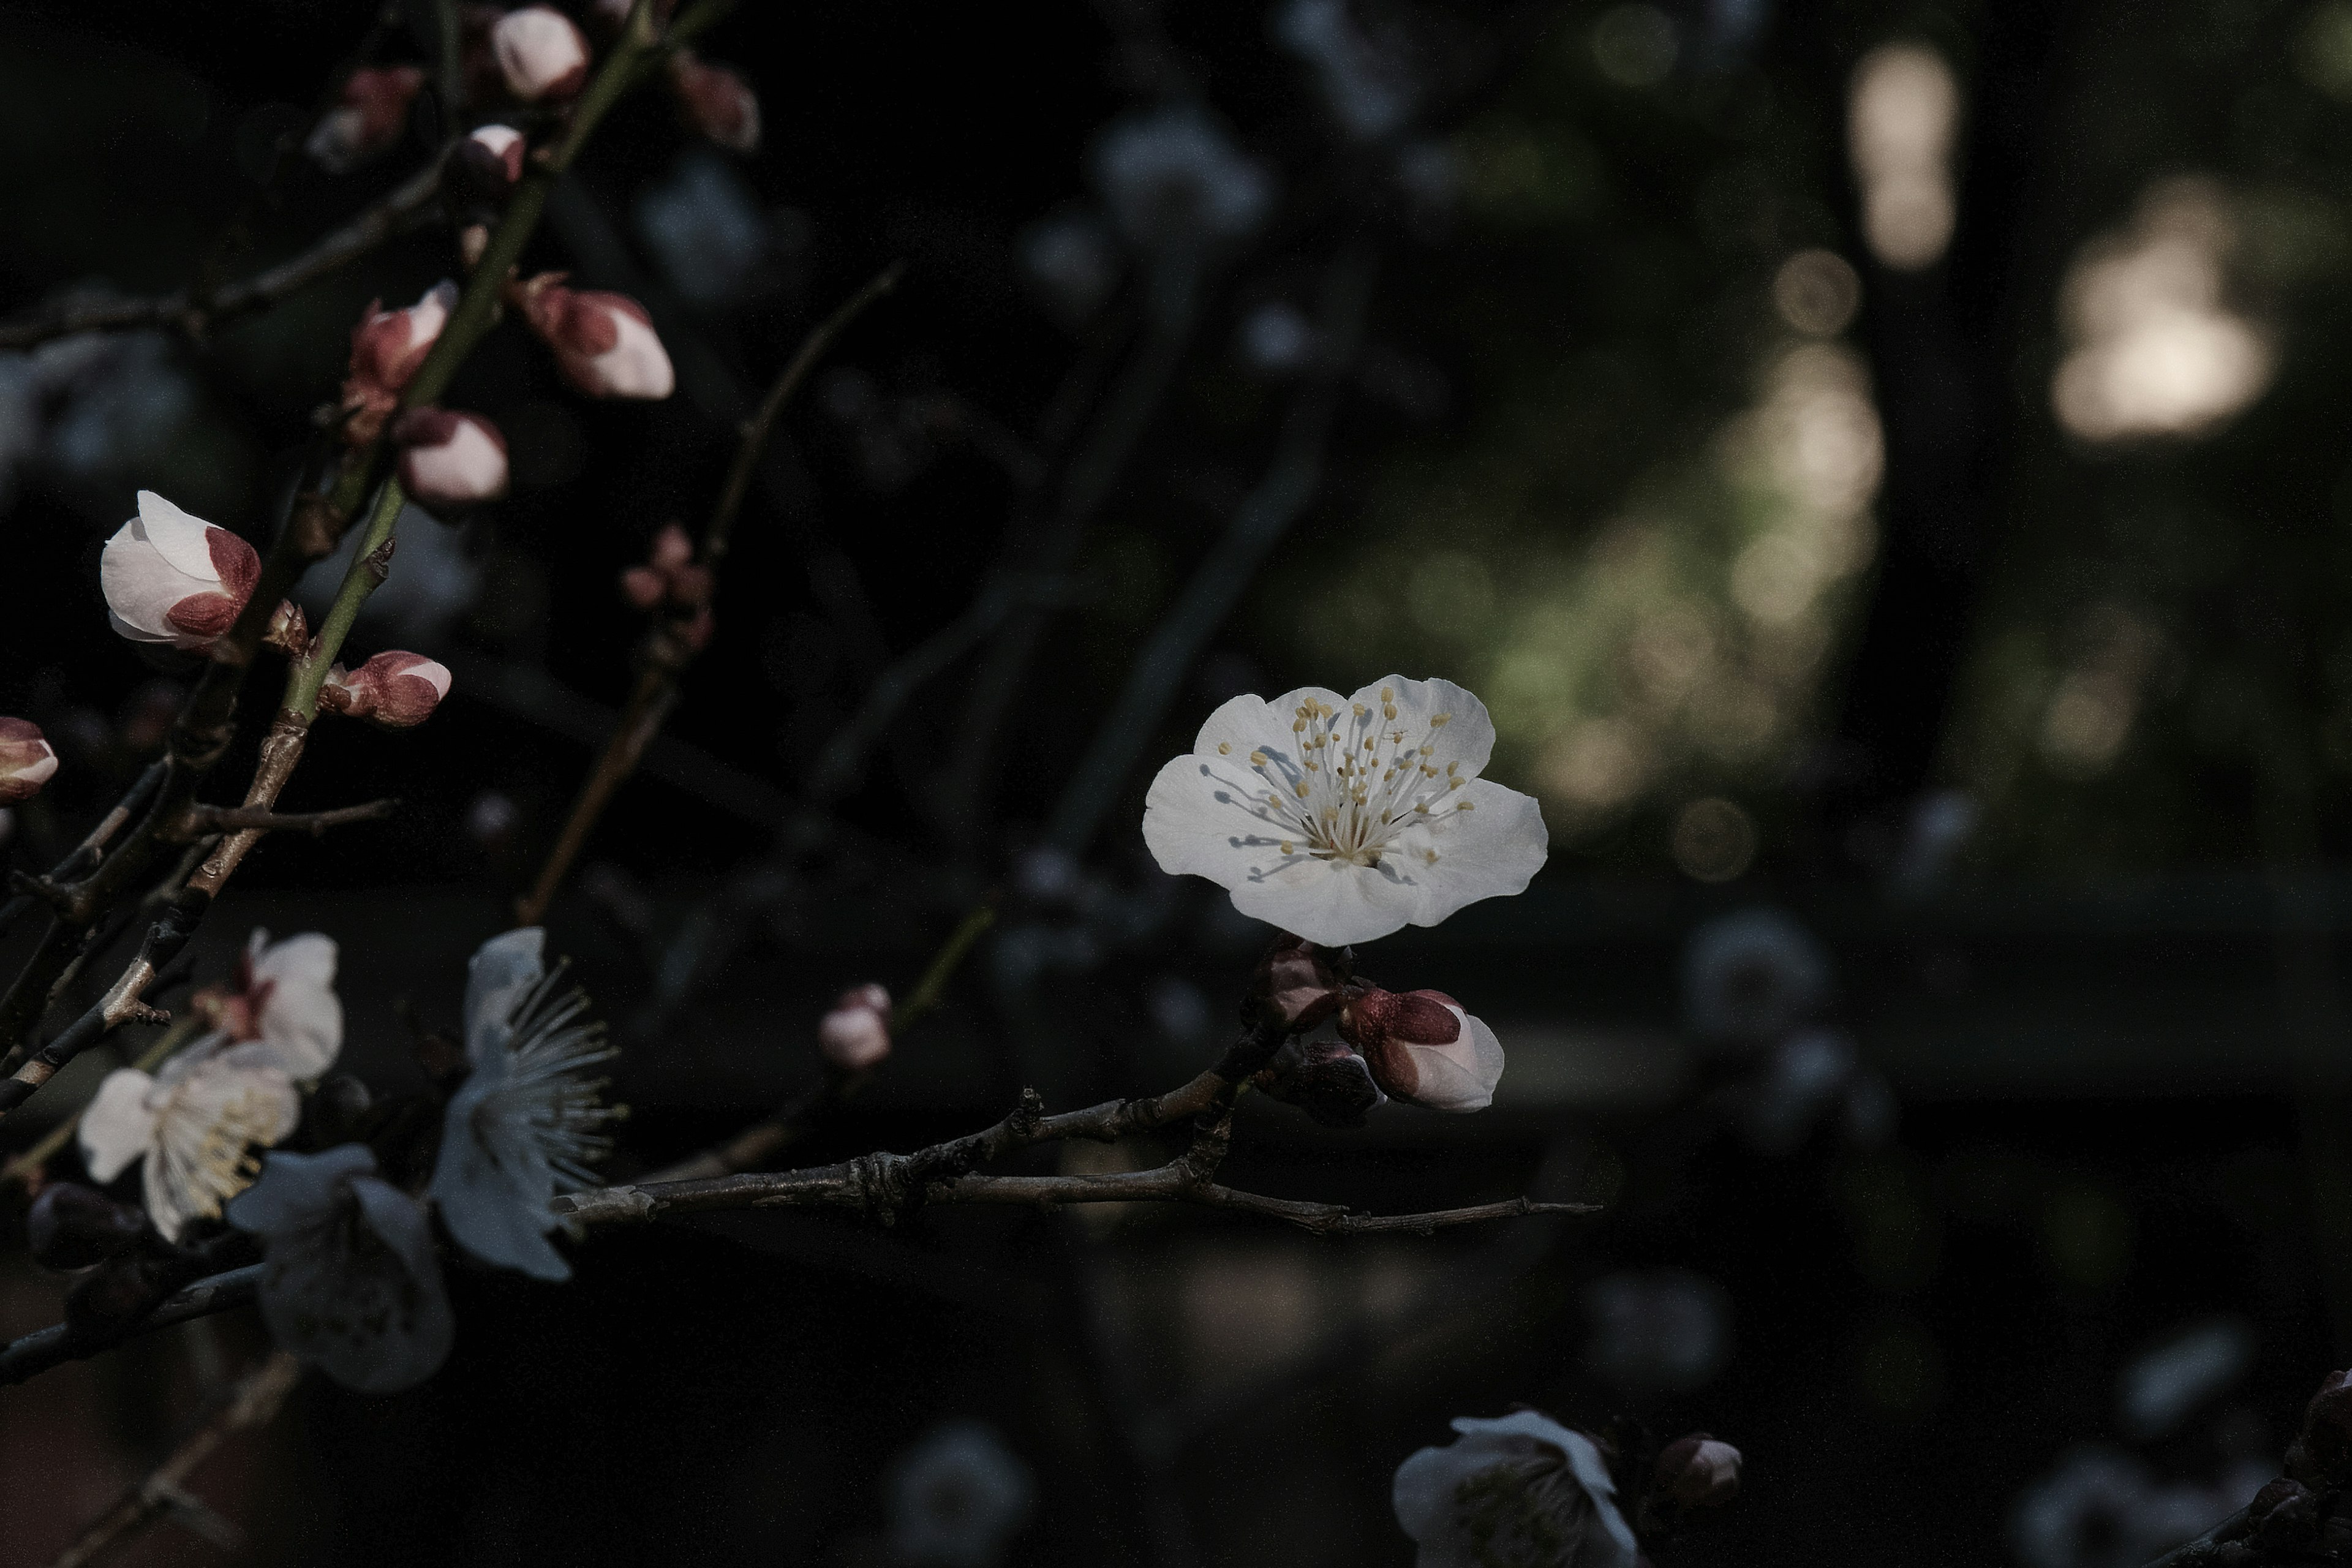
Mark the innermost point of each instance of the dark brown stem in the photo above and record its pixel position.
(201, 821)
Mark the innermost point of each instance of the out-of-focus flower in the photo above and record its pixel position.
(194, 1123)
(283, 996)
(388, 348)
(497, 150)
(396, 689)
(1366, 93)
(1901, 123)
(118, 401)
(1750, 977)
(1330, 1083)
(2161, 1388)
(715, 101)
(670, 579)
(540, 53)
(173, 578)
(1424, 1049)
(367, 120)
(1806, 1074)
(1174, 181)
(2101, 1508)
(1344, 819)
(604, 343)
(957, 1497)
(1276, 340)
(436, 582)
(350, 1281)
(1072, 263)
(1519, 1489)
(73, 1226)
(1698, 1471)
(1664, 1331)
(527, 1115)
(26, 761)
(450, 459)
(705, 227)
(856, 1034)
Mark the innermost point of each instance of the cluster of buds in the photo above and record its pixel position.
(1420, 1046)
(855, 1036)
(395, 690)
(27, 760)
(367, 119)
(669, 580)
(388, 348)
(603, 342)
(450, 459)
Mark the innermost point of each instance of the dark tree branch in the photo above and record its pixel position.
(202, 821)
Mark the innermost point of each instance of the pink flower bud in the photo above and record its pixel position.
(643, 587)
(1424, 1049)
(482, 171)
(1698, 1471)
(856, 1034)
(541, 53)
(1296, 985)
(388, 348)
(503, 145)
(172, 578)
(715, 101)
(672, 549)
(26, 761)
(392, 689)
(450, 459)
(367, 120)
(604, 343)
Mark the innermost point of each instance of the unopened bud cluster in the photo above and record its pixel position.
(1420, 1046)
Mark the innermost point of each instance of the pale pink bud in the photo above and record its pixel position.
(393, 689)
(26, 761)
(856, 1034)
(643, 587)
(541, 53)
(504, 146)
(715, 101)
(604, 343)
(1424, 1049)
(481, 174)
(1698, 1471)
(672, 549)
(388, 348)
(367, 120)
(450, 459)
(173, 578)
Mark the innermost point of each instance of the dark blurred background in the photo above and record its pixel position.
(1883, 466)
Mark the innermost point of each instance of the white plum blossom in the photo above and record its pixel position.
(525, 1117)
(1665, 1331)
(1174, 180)
(541, 53)
(1520, 1489)
(1342, 819)
(350, 1280)
(956, 1498)
(175, 579)
(1423, 1047)
(196, 1121)
(2100, 1508)
(27, 761)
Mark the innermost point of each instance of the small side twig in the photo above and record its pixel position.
(202, 821)
(251, 1403)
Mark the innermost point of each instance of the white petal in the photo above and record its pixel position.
(238, 1098)
(302, 1021)
(117, 1126)
(142, 585)
(1245, 721)
(1466, 737)
(1490, 851)
(180, 538)
(1461, 1076)
(637, 366)
(492, 1182)
(500, 972)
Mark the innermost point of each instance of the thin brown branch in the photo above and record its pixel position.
(202, 821)
(31, 1355)
(255, 1399)
(198, 312)
(666, 656)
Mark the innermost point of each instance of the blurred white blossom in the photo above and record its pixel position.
(1750, 977)
(1519, 1490)
(1368, 93)
(705, 227)
(1665, 1331)
(2164, 1386)
(1073, 265)
(1174, 181)
(956, 1498)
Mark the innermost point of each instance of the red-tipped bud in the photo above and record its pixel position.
(1697, 1471)
(1423, 1047)
(540, 53)
(604, 343)
(367, 120)
(448, 458)
(396, 689)
(856, 1034)
(502, 147)
(173, 578)
(26, 761)
(715, 101)
(388, 348)
(482, 171)
(73, 1226)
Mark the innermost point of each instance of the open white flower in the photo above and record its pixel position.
(173, 578)
(285, 999)
(195, 1123)
(1345, 819)
(1522, 1489)
(526, 1116)
(350, 1281)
